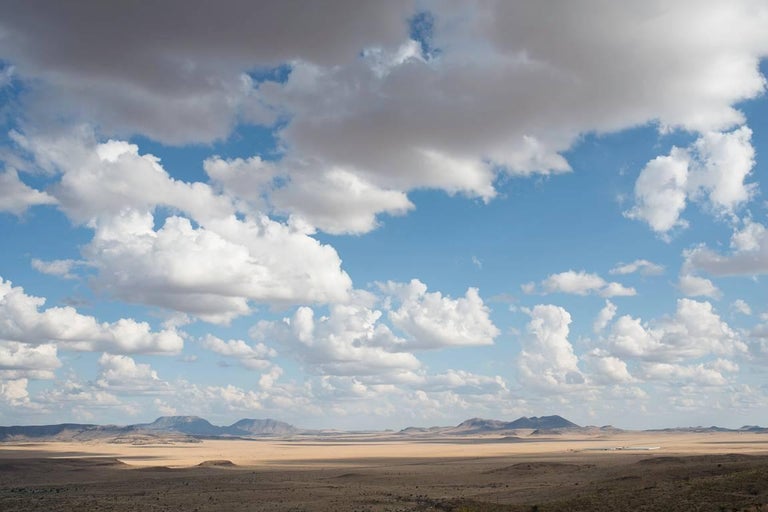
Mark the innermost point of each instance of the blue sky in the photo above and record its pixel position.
(383, 214)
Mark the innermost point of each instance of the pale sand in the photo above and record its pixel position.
(276, 452)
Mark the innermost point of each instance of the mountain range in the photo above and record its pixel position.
(194, 428)
(175, 428)
(480, 425)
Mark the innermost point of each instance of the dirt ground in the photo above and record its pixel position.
(683, 471)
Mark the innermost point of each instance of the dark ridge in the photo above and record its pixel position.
(216, 464)
(39, 431)
(746, 428)
(193, 425)
(542, 423)
(163, 429)
(267, 426)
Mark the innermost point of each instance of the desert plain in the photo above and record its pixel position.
(718, 471)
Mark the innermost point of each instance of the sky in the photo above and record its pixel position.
(370, 215)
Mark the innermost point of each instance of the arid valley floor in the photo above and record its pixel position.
(689, 471)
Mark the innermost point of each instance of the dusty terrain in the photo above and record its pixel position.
(687, 471)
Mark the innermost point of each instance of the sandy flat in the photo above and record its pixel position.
(378, 473)
(277, 451)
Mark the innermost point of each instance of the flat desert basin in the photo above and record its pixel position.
(386, 472)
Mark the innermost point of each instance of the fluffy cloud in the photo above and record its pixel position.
(14, 392)
(334, 200)
(712, 171)
(604, 316)
(338, 201)
(722, 163)
(741, 306)
(101, 180)
(365, 116)
(547, 360)
(268, 379)
(453, 394)
(645, 267)
(759, 345)
(199, 74)
(580, 283)
(705, 374)
(121, 375)
(76, 396)
(434, 321)
(749, 238)
(464, 383)
(353, 338)
(213, 272)
(695, 331)
(413, 95)
(21, 360)
(226, 399)
(349, 341)
(748, 257)
(376, 113)
(60, 268)
(607, 369)
(248, 179)
(685, 349)
(254, 357)
(695, 286)
(203, 259)
(16, 196)
(22, 321)
(660, 192)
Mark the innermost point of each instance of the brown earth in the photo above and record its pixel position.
(699, 472)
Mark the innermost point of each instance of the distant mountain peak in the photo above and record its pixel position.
(477, 425)
(177, 419)
(266, 426)
(192, 425)
(543, 422)
(479, 422)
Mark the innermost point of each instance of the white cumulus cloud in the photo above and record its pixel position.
(702, 374)
(582, 283)
(203, 259)
(694, 331)
(604, 316)
(741, 306)
(660, 192)
(122, 375)
(432, 320)
(254, 357)
(59, 268)
(14, 392)
(335, 200)
(22, 360)
(748, 257)
(607, 369)
(547, 360)
(695, 286)
(21, 320)
(351, 340)
(16, 197)
(713, 171)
